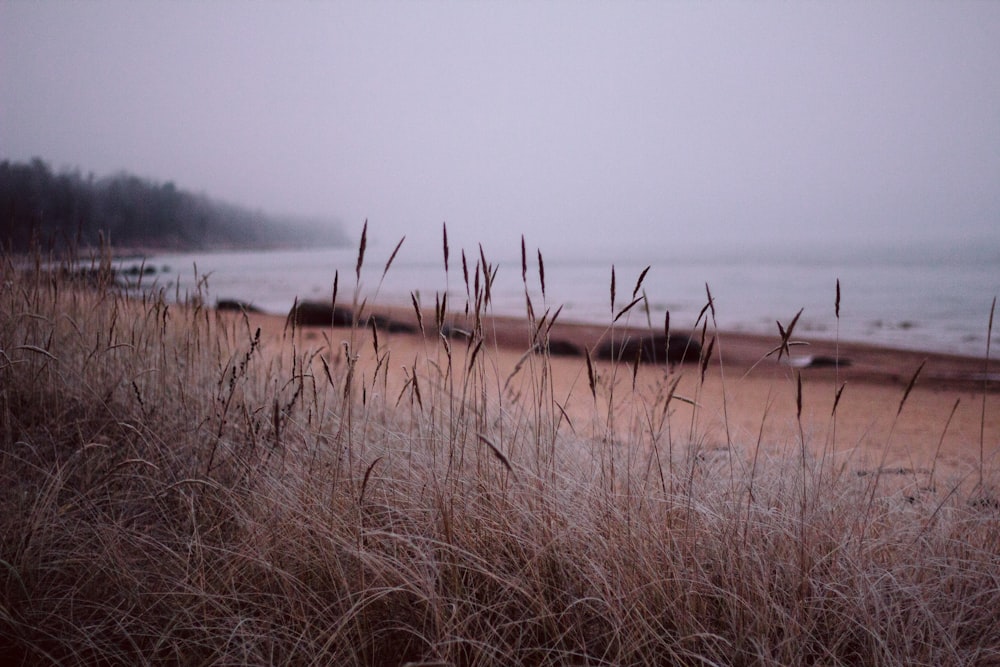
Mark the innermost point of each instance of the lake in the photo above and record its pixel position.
(927, 298)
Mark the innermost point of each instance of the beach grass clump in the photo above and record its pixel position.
(179, 489)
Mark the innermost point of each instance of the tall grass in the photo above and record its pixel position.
(178, 489)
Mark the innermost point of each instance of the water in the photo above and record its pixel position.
(927, 298)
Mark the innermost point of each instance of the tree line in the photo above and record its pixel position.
(40, 208)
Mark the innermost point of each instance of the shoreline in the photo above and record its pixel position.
(890, 304)
(864, 417)
(741, 351)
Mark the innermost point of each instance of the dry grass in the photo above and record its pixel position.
(174, 491)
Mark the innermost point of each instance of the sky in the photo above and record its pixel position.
(589, 127)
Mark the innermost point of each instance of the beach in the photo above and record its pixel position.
(747, 399)
(442, 489)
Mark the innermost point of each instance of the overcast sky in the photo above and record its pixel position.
(584, 125)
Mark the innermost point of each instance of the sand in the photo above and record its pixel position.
(746, 398)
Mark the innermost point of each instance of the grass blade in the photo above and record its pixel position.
(361, 250)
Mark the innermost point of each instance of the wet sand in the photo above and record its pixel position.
(745, 398)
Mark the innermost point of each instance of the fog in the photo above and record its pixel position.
(589, 127)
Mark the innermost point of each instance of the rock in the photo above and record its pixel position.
(390, 325)
(822, 361)
(236, 305)
(136, 270)
(562, 348)
(818, 361)
(651, 349)
(319, 314)
(449, 331)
